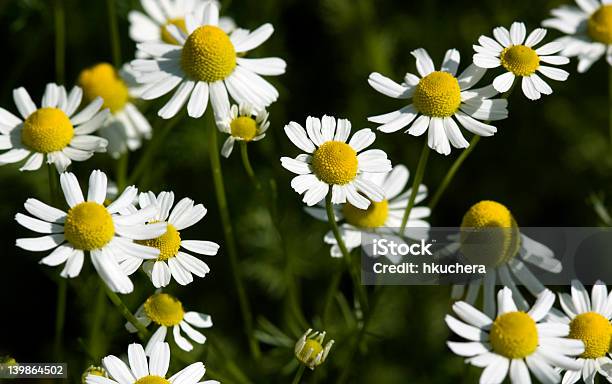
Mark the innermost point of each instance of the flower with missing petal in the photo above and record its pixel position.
(438, 100)
(55, 130)
(104, 233)
(243, 123)
(518, 56)
(330, 162)
(206, 64)
(309, 348)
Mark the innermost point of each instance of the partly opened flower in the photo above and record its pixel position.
(206, 64)
(243, 123)
(519, 57)
(490, 236)
(148, 371)
(172, 261)
(514, 341)
(91, 227)
(309, 348)
(167, 311)
(126, 127)
(438, 100)
(589, 30)
(330, 162)
(588, 320)
(151, 26)
(383, 217)
(54, 130)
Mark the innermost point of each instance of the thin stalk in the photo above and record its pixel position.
(418, 178)
(121, 171)
(329, 296)
(452, 171)
(298, 375)
(346, 255)
(143, 333)
(292, 294)
(610, 102)
(98, 316)
(60, 41)
(113, 26)
(150, 150)
(245, 308)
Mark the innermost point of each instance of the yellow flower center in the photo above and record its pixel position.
(168, 243)
(310, 350)
(152, 379)
(47, 130)
(437, 95)
(166, 37)
(373, 217)
(244, 127)
(489, 234)
(599, 26)
(514, 335)
(164, 309)
(88, 226)
(595, 331)
(520, 60)
(208, 54)
(103, 80)
(335, 162)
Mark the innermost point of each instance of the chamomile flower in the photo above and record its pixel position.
(514, 342)
(588, 28)
(519, 58)
(172, 260)
(148, 371)
(90, 227)
(151, 26)
(207, 63)
(54, 130)
(588, 320)
(489, 235)
(438, 100)
(166, 311)
(384, 217)
(309, 348)
(126, 126)
(243, 123)
(330, 162)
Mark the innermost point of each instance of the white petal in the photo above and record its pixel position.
(202, 247)
(424, 63)
(138, 360)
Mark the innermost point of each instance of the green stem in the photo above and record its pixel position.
(143, 333)
(150, 150)
(452, 171)
(245, 309)
(346, 255)
(610, 101)
(121, 171)
(244, 154)
(298, 375)
(329, 296)
(418, 178)
(96, 323)
(114, 33)
(60, 41)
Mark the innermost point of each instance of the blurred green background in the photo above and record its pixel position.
(544, 163)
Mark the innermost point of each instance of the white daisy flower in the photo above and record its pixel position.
(330, 161)
(519, 58)
(243, 123)
(589, 30)
(89, 226)
(126, 126)
(54, 129)
(506, 255)
(151, 26)
(207, 64)
(514, 341)
(309, 349)
(588, 320)
(167, 311)
(151, 371)
(439, 98)
(384, 217)
(172, 261)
